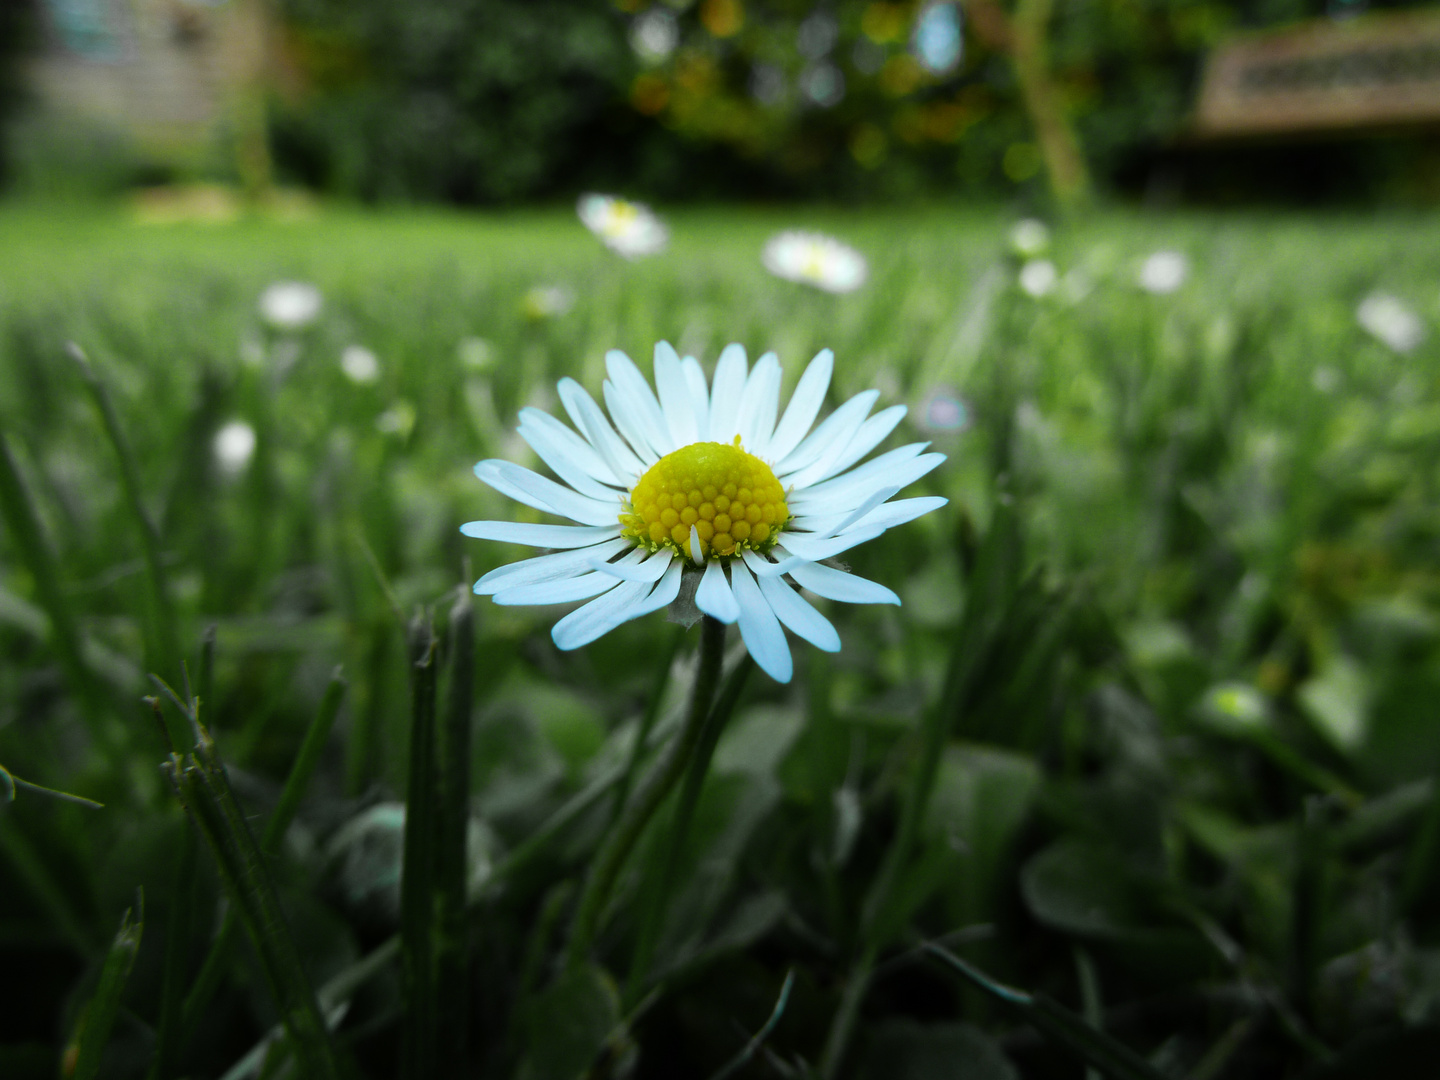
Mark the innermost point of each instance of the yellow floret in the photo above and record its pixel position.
(731, 498)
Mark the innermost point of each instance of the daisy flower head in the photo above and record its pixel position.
(290, 305)
(1388, 319)
(1163, 272)
(710, 481)
(815, 259)
(1038, 278)
(1030, 238)
(627, 228)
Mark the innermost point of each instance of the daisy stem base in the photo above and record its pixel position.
(658, 782)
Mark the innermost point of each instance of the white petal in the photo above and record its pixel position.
(545, 536)
(587, 416)
(650, 570)
(697, 553)
(628, 416)
(832, 524)
(600, 616)
(548, 567)
(538, 491)
(699, 396)
(627, 601)
(813, 547)
(760, 566)
(640, 398)
(563, 461)
(804, 406)
(760, 404)
(837, 429)
(564, 591)
(897, 513)
(759, 627)
(901, 466)
(841, 455)
(725, 393)
(674, 396)
(573, 445)
(714, 596)
(799, 616)
(837, 585)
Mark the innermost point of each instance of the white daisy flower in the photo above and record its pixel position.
(1030, 238)
(234, 446)
(1391, 321)
(290, 305)
(815, 259)
(626, 228)
(359, 364)
(547, 302)
(1163, 272)
(1038, 277)
(702, 480)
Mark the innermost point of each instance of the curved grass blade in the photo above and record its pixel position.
(740, 1060)
(1094, 1047)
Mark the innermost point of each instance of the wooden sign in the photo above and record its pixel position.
(1369, 72)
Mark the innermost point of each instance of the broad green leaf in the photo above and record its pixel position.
(568, 1023)
(907, 1050)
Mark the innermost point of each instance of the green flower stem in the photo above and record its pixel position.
(166, 628)
(658, 890)
(662, 776)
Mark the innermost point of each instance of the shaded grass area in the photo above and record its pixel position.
(1165, 678)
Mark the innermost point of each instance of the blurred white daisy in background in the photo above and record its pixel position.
(360, 365)
(814, 259)
(234, 446)
(290, 305)
(654, 35)
(475, 353)
(703, 481)
(937, 40)
(1390, 320)
(626, 228)
(1163, 272)
(1038, 277)
(1030, 238)
(398, 420)
(547, 302)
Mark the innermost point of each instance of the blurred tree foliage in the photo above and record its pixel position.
(485, 100)
(17, 36)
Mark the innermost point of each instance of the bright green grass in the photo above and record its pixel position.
(1232, 486)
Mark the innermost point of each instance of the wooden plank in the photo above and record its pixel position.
(1376, 71)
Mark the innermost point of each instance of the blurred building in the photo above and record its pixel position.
(165, 73)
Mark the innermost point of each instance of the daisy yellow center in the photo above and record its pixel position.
(729, 497)
(622, 214)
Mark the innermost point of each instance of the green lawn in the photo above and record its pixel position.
(1154, 732)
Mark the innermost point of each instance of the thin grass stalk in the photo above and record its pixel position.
(417, 882)
(200, 781)
(296, 783)
(104, 1007)
(658, 782)
(18, 510)
(658, 890)
(451, 828)
(166, 626)
(168, 1036)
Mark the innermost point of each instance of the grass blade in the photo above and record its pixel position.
(753, 1046)
(105, 1005)
(163, 619)
(204, 789)
(417, 882)
(168, 1038)
(18, 510)
(1090, 1045)
(451, 831)
(213, 969)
